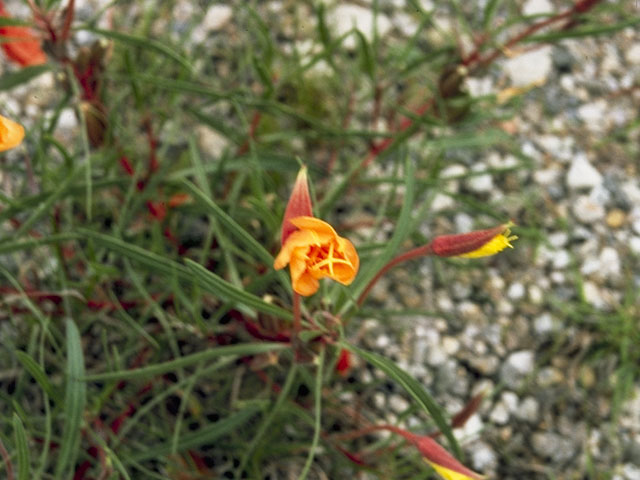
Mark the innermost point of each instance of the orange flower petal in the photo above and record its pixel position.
(11, 134)
(314, 252)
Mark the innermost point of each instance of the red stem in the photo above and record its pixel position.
(421, 251)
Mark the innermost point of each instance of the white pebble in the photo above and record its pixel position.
(537, 7)
(516, 291)
(582, 174)
(217, 17)
(587, 210)
(531, 67)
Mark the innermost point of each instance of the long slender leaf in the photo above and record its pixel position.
(20, 438)
(230, 225)
(202, 436)
(400, 233)
(413, 388)
(187, 360)
(317, 412)
(142, 42)
(38, 374)
(46, 205)
(22, 76)
(75, 398)
(229, 293)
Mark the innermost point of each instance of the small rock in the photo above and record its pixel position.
(345, 17)
(543, 324)
(510, 401)
(528, 410)
(480, 183)
(398, 404)
(499, 415)
(530, 67)
(592, 295)
(632, 55)
(517, 367)
(549, 376)
(217, 17)
(485, 365)
(483, 458)
(592, 114)
(537, 7)
(582, 174)
(610, 261)
(586, 210)
(516, 291)
(536, 295)
(450, 345)
(553, 446)
(615, 218)
(210, 141)
(560, 259)
(630, 471)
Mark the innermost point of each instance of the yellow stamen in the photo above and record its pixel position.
(493, 246)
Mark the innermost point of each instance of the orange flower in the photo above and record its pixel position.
(11, 134)
(21, 45)
(315, 251)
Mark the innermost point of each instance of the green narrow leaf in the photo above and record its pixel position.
(193, 272)
(143, 42)
(413, 388)
(239, 350)
(204, 435)
(230, 225)
(589, 31)
(230, 293)
(75, 398)
(38, 374)
(266, 423)
(44, 206)
(152, 260)
(401, 232)
(489, 12)
(10, 246)
(317, 410)
(21, 76)
(20, 438)
(366, 56)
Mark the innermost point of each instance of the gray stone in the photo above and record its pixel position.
(483, 458)
(588, 211)
(528, 410)
(582, 174)
(528, 68)
(552, 446)
(517, 367)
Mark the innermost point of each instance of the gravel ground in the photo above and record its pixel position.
(511, 327)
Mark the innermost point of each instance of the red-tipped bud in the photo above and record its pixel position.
(442, 461)
(479, 243)
(343, 365)
(299, 204)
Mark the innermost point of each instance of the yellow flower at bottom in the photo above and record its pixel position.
(11, 134)
(315, 251)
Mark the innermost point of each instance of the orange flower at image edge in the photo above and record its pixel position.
(315, 251)
(11, 134)
(20, 44)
